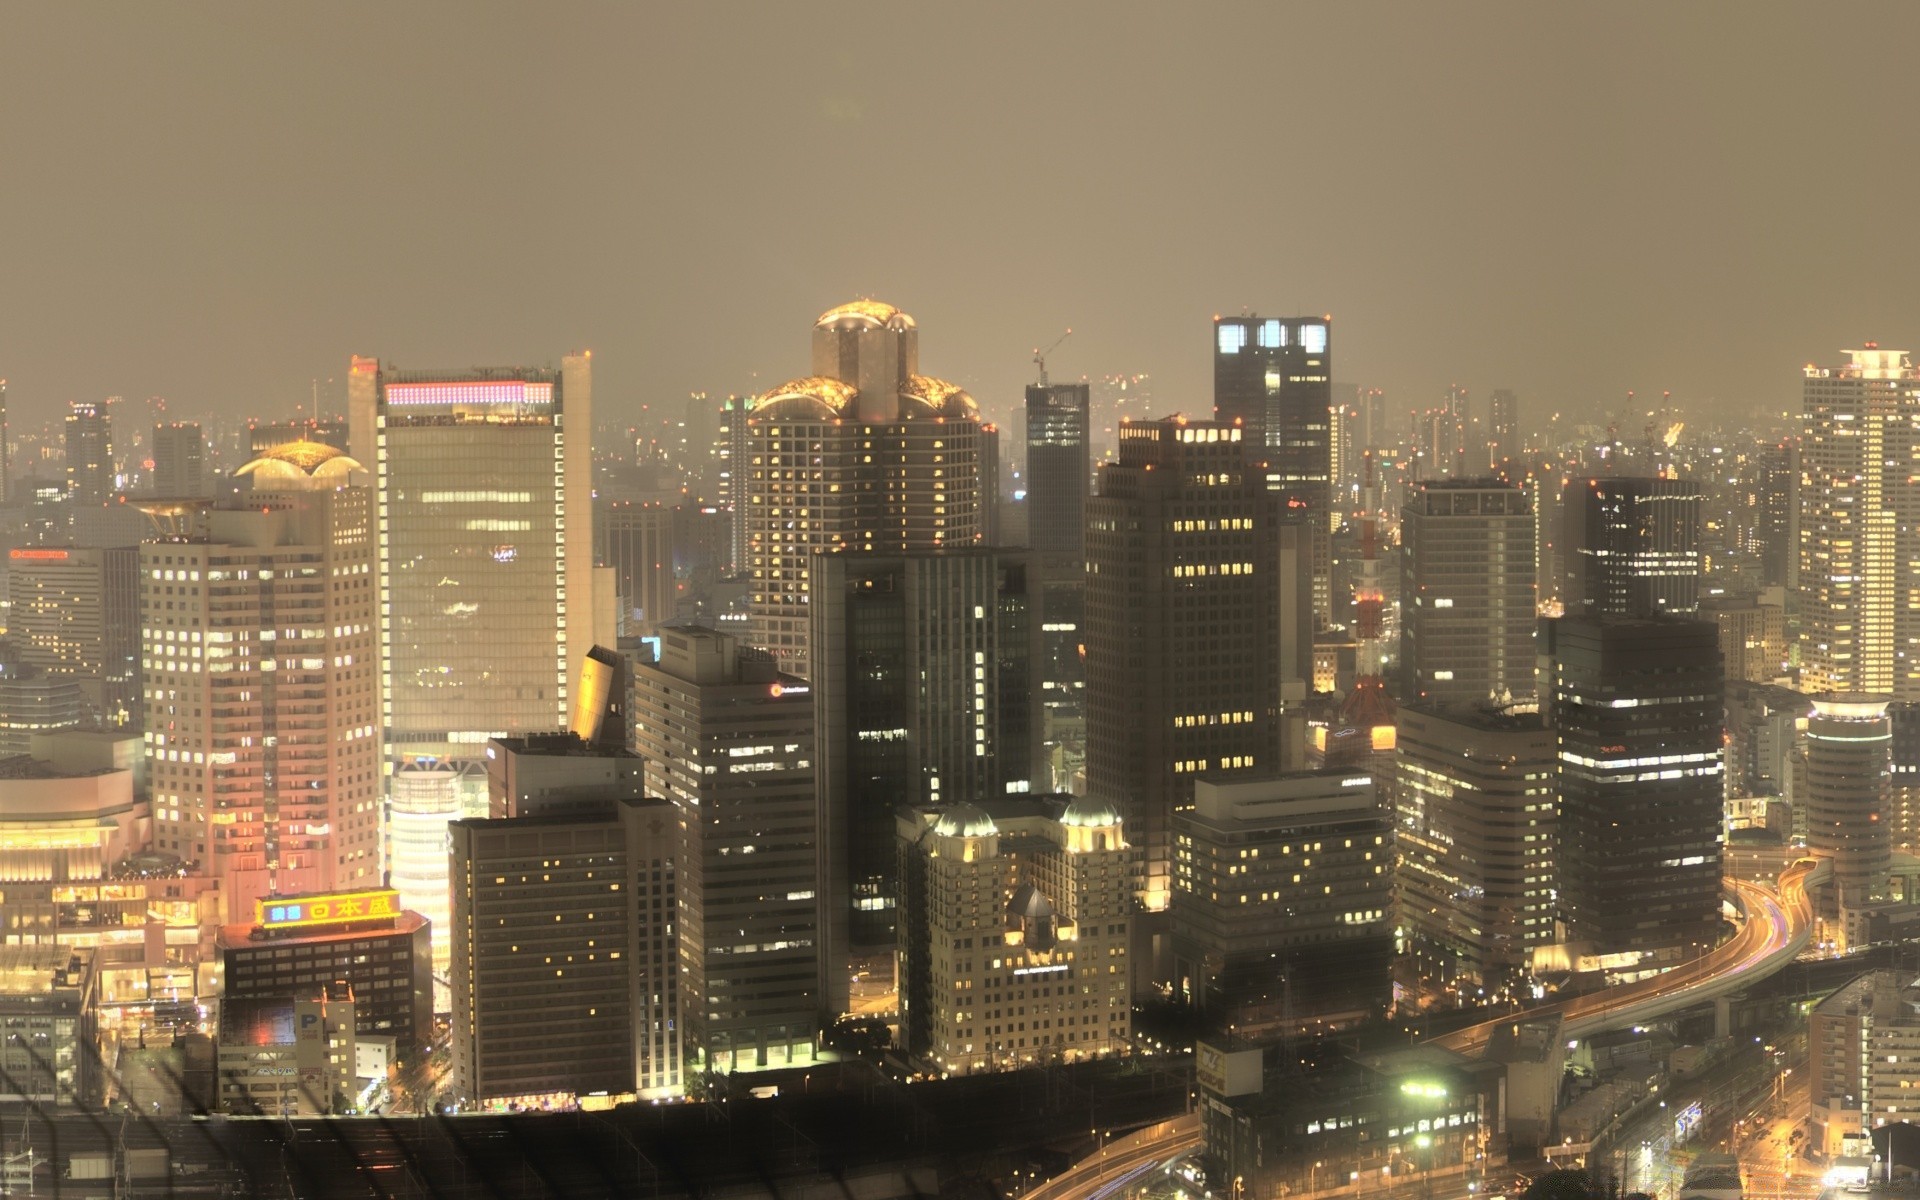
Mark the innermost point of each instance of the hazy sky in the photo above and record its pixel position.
(218, 203)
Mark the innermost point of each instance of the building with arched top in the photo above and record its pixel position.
(1848, 739)
(1013, 933)
(864, 454)
(259, 650)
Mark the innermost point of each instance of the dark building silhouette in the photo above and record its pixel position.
(1631, 546)
(1636, 708)
(1274, 376)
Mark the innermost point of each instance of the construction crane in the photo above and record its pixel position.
(1040, 356)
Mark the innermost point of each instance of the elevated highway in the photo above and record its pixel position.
(1775, 927)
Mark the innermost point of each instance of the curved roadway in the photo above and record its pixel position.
(1776, 929)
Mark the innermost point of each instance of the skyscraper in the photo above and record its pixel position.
(1474, 836)
(1503, 426)
(89, 454)
(1860, 526)
(75, 612)
(1198, 629)
(729, 740)
(180, 460)
(1631, 546)
(1636, 706)
(636, 540)
(1059, 471)
(1848, 739)
(486, 548)
(865, 454)
(258, 632)
(577, 910)
(1275, 378)
(925, 685)
(1467, 607)
(6, 450)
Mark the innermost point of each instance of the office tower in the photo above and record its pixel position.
(1063, 683)
(1474, 829)
(1282, 903)
(636, 540)
(1765, 729)
(730, 450)
(1777, 519)
(6, 451)
(1503, 426)
(486, 580)
(75, 614)
(1903, 784)
(1636, 709)
(1753, 634)
(565, 962)
(1459, 433)
(926, 671)
(1467, 607)
(291, 1055)
(422, 798)
(32, 700)
(259, 639)
(865, 454)
(1373, 420)
(1860, 526)
(364, 938)
(89, 454)
(1631, 547)
(1344, 462)
(1198, 630)
(1274, 377)
(1014, 921)
(1059, 470)
(180, 461)
(729, 740)
(1848, 742)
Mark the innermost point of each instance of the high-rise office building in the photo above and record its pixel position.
(1860, 526)
(1848, 740)
(729, 740)
(1631, 547)
(1198, 629)
(89, 454)
(6, 450)
(636, 540)
(1503, 427)
(259, 644)
(1777, 517)
(75, 613)
(1282, 903)
(926, 672)
(1059, 470)
(1467, 605)
(1474, 829)
(865, 454)
(180, 461)
(565, 956)
(1274, 377)
(1636, 708)
(1014, 924)
(33, 700)
(484, 489)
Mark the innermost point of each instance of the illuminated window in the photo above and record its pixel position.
(1233, 338)
(1313, 339)
(1272, 334)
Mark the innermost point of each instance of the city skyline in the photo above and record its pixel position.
(204, 179)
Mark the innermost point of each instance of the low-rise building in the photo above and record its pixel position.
(49, 1045)
(288, 1057)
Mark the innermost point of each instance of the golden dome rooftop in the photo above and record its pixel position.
(300, 460)
(815, 396)
(865, 312)
(940, 398)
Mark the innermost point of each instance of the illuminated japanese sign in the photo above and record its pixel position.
(294, 912)
(35, 554)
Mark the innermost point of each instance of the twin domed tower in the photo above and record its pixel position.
(865, 454)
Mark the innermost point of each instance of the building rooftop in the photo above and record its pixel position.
(36, 970)
(298, 460)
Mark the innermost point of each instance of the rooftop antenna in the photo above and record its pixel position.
(1040, 356)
